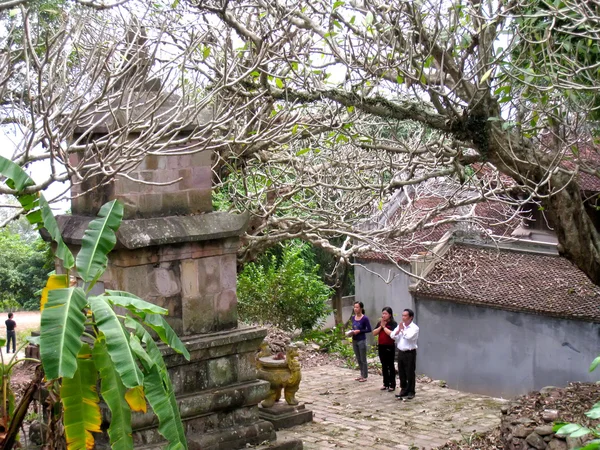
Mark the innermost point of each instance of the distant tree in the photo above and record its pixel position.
(24, 268)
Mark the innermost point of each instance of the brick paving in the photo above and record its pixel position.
(353, 415)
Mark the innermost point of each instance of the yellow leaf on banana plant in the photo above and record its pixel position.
(80, 402)
(136, 399)
(54, 282)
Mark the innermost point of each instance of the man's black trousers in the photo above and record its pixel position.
(407, 365)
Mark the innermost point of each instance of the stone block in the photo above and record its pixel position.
(246, 366)
(175, 204)
(536, 441)
(189, 278)
(226, 309)
(198, 314)
(150, 204)
(165, 280)
(200, 200)
(149, 162)
(209, 274)
(521, 431)
(179, 161)
(221, 372)
(228, 269)
(201, 177)
(202, 158)
(544, 430)
(556, 444)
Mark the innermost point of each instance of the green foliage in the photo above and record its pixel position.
(24, 267)
(285, 291)
(335, 341)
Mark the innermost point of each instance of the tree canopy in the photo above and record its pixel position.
(320, 112)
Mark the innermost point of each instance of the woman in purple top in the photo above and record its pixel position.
(360, 327)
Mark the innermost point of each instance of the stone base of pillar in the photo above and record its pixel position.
(282, 415)
(217, 392)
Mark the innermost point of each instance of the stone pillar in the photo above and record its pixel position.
(172, 250)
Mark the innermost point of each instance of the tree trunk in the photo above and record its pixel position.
(340, 286)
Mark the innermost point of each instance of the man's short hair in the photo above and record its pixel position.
(410, 312)
(10, 315)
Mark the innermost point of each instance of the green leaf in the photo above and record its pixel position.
(132, 302)
(594, 413)
(302, 151)
(206, 52)
(62, 325)
(255, 73)
(99, 239)
(2, 342)
(166, 334)
(399, 79)
(369, 18)
(113, 392)
(581, 432)
(279, 83)
(80, 402)
(594, 444)
(62, 251)
(595, 363)
(566, 429)
(159, 391)
(486, 75)
(136, 346)
(337, 4)
(117, 342)
(15, 173)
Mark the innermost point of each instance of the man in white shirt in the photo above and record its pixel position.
(406, 335)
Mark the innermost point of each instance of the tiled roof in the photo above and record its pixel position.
(400, 250)
(490, 217)
(509, 280)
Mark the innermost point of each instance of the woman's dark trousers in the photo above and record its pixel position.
(386, 356)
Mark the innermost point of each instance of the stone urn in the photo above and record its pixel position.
(282, 373)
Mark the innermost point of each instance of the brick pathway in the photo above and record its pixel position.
(353, 415)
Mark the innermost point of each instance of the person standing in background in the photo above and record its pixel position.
(386, 348)
(360, 327)
(10, 332)
(406, 335)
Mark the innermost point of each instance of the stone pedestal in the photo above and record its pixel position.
(282, 415)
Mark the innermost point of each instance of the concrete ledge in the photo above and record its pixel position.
(140, 233)
(215, 345)
(209, 401)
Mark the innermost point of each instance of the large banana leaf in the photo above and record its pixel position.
(62, 325)
(18, 180)
(54, 282)
(133, 303)
(166, 334)
(163, 403)
(80, 402)
(113, 393)
(117, 342)
(99, 239)
(15, 173)
(159, 391)
(62, 251)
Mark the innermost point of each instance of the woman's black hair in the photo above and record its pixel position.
(362, 307)
(389, 311)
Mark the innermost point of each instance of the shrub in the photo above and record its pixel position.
(286, 292)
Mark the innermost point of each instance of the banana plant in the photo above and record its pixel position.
(83, 339)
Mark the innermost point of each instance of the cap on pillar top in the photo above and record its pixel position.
(137, 105)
